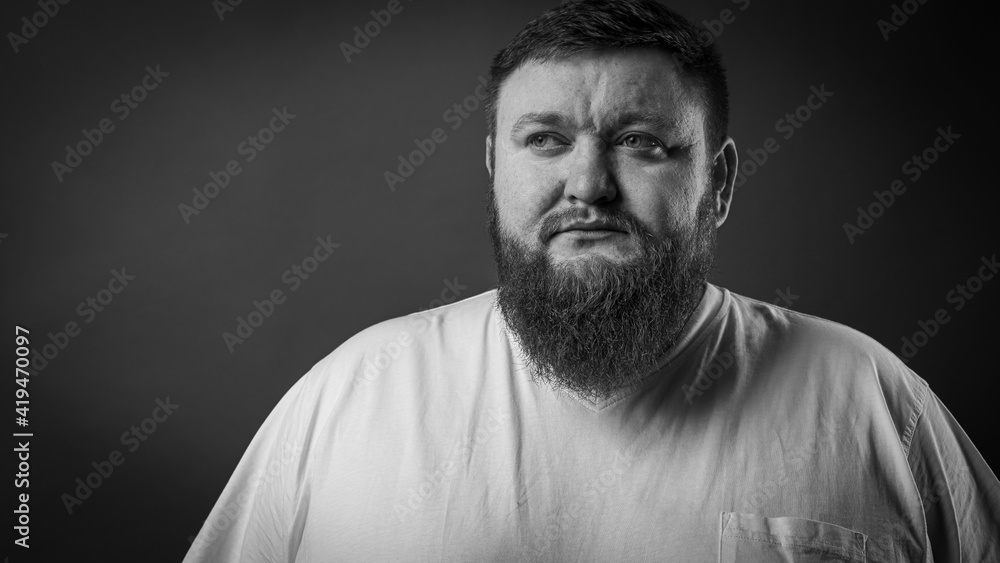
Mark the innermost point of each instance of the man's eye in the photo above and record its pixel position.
(543, 141)
(639, 141)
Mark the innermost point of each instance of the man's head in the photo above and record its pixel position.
(610, 172)
(612, 24)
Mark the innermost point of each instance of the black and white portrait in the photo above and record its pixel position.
(592, 280)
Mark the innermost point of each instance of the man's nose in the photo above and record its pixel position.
(591, 176)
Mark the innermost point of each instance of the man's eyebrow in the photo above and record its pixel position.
(655, 120)
(545, 118)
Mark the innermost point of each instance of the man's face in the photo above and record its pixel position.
(604, 205)
(603, 130)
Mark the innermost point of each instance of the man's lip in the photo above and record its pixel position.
(589, 228)
(594, 231)
(589, 233)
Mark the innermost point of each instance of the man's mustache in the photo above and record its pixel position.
(611, 219)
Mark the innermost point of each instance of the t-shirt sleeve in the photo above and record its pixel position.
(959, 492)
(254, 518)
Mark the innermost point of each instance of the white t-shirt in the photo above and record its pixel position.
(764, 433)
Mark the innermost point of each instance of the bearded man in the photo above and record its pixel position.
(605, 402)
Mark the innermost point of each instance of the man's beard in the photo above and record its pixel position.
(595, 327)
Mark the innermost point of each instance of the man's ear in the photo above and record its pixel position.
(489, 155)
(724, 179)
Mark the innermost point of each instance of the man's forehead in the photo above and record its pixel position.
(601, 88)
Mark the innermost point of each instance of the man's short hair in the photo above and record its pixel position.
(574, 27)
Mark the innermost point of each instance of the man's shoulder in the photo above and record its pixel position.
(396, 347)
(455, 320)
(841, 360)
(459, 315)
(762, 320)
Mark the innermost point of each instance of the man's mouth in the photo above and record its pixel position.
(590, 233)
(592, 228)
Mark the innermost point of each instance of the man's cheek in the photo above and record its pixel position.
(516, 215)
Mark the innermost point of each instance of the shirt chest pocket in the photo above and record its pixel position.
(751, 538)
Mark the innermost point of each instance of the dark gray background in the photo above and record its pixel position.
(323, 175)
